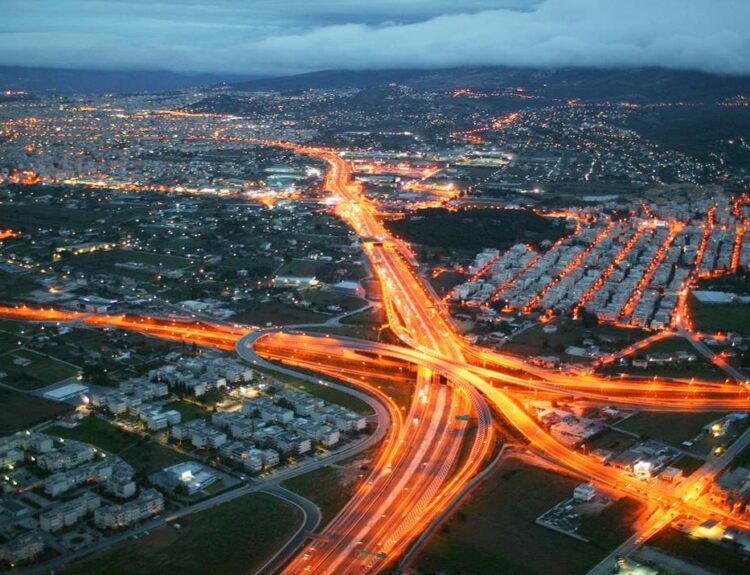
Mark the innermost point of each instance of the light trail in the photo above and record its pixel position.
(8, 233)
(383, 513)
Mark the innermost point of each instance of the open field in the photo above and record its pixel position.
(104, 261)
(34, 216)
(446, 281)
(611, 440)
(712, 556)
(9, 341)
(611, 527)
(145, 457)
(534, 341)
(13, 286)
(22, 410)
(671, 428)
(357, 331)
(495, 531)
(16, 327)
(473, 228)
(373, 317)
(327, 487)
(688, 464)
(42, 370)
(710, 318)
(235, 538)
(277, 313)
(325, 393)
(700, 368)
(188, 409)
(399, 391)
(307, 268)
(321, 299)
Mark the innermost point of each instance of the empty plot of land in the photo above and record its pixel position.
(671, 428)
(28, 370)
(496, 531)
(710, 318)
(20, 410)
(235, 538)
(328, 487)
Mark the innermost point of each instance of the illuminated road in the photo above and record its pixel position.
(426, 459)
(416, 318)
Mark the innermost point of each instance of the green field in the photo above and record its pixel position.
(669, 345)
(373, 317)
(610, 439)
(306, 268)
(277, 313)
(9, 341)
(612, 526)
(688, 464)
(320, 299)
(700, 368)
(145, 456)
(671, 428)
(720, 317)
(742, 459)
(188, 409)
(495, 531)
(534, 341)
(35, 216)
(235, 538)
(371, 333)
(326, 488)
(20, 410)
(13, 286)
(474, 229)
(16, 327)
(42, 370)
(104, 261)
(714, 557)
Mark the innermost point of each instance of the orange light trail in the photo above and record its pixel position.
(388, 515)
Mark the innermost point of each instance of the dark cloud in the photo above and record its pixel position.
(289, 36)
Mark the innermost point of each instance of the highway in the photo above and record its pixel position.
(420, 469)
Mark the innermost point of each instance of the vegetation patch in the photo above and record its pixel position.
(22, 410)
(671, 428)
(27, 370)
(475, 228)
(491, 533)
(234, 538)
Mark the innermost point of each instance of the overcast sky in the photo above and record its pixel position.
(291, 36)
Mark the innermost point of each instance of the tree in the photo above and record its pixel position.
(588, 320)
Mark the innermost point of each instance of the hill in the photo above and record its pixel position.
(637, 85)
(41, 80)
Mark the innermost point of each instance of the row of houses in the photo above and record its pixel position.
(131, 396)
(202, 374)
(91, 472)
(70, 455)
(69, 513)
(252, 459)
(149, 502)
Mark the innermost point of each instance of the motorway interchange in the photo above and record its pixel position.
(432, 449)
